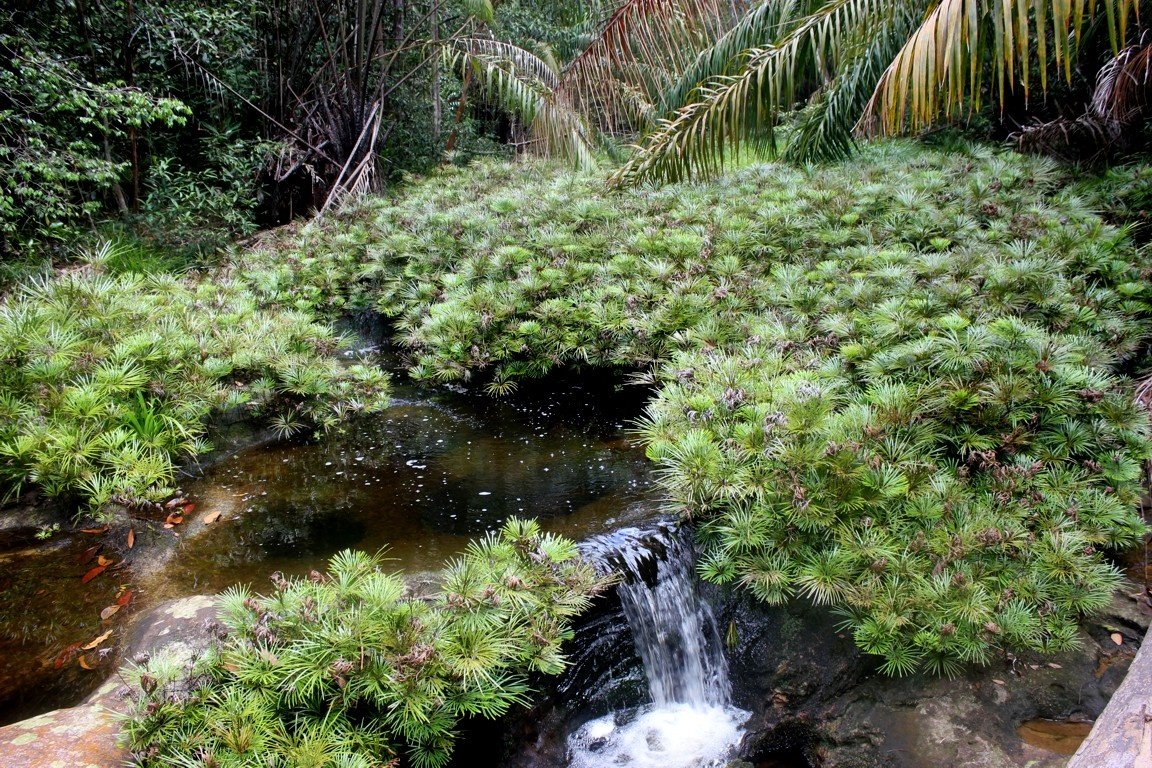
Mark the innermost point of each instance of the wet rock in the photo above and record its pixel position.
(604, 675)
(79, 737)
(85, 736)
(815, 695)
(181, 627)
(1119, 738)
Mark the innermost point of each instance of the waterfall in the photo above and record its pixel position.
(690, 721)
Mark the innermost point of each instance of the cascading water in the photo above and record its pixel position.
(691, 721)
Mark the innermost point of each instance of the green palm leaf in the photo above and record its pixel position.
(525, 85)
(731, 111)
(939, 71)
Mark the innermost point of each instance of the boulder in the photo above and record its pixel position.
(77, 737)
(85, 736)
(814, 697)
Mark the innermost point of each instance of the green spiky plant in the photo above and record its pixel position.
(887, 385)
(349, 669)
(107, 382)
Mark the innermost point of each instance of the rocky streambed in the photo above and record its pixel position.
(421, 479)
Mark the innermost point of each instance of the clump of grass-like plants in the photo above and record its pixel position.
(107, 382)
(892, 385)
(349, 669)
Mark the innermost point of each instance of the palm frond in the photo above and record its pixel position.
(723, 56)
(733, 110)
(1119, 103)
(525, 85)
(638, 52)
(823, 129)
(939, 71)
(1123, 85)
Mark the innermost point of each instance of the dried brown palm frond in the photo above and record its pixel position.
(1120, 104)
(940, 70)
(640, 51)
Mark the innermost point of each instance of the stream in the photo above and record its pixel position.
(439, 467)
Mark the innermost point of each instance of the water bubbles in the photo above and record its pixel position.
(484, 493)
(670, 736)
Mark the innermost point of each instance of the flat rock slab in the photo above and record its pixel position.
(85, 736)
(78, 737)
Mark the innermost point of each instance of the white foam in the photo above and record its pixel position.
(668, 736)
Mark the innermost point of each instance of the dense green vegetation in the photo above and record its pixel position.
(888, 385)
(349, 669)
(898, 386)
(190, 124)
(107, 381)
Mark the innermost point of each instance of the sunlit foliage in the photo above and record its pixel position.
(350, 669)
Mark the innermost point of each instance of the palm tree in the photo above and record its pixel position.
(865, 67)
(700, 79)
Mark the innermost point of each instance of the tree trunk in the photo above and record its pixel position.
(437, 107)
(1122, 735)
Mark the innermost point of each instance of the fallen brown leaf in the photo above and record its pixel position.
(211, 517)
(104, 561)
(85, 663)
(174, 518)
(94, 530)
(66, 655)
(92, 574)
(125, 598)
(109, 612)
(87, 555)
(95, 643)
(131, 538)
(1117, 638)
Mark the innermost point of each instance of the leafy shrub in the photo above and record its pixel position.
(55, 126)
(106, 382)
(200, 211)
(348, 669)
(950, 494)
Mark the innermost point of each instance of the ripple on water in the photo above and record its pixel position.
(420, 480)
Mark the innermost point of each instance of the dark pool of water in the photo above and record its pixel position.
(47, 613)
(419, 481)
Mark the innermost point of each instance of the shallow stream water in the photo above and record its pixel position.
(419, 481)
